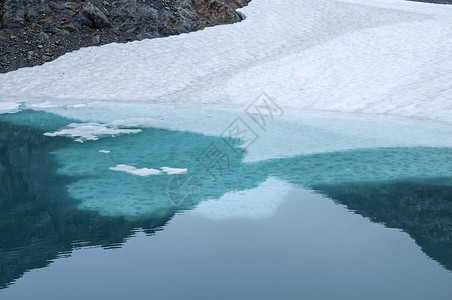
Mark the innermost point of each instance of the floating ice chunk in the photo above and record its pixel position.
(123, 168)
(104, 151)
(9, 107)
(173, 171)
(134, 171)
(90, 131)
(146, 172)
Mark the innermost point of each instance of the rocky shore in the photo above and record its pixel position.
(33, 32)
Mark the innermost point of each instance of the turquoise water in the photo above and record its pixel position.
(58, 195)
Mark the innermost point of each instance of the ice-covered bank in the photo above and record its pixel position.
(9, 107)
(384, 57)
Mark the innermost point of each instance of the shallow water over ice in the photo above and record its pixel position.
(65, 195)
(124, 174)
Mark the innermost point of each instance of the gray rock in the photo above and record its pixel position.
(95, 39)
(13, 13)
(43, 36)
(92, 16)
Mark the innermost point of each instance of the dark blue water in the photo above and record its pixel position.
(364, 223)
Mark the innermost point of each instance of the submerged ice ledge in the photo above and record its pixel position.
(105, 183)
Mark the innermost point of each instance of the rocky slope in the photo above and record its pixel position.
(35, 31)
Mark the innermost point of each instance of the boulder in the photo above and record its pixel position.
(92, 16)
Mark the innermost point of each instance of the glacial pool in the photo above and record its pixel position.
(146, 212)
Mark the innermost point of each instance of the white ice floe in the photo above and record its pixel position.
(9, 107)
(134, 171)
(104, 151)
(173, 171)
(90, 131)
(147, 172)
